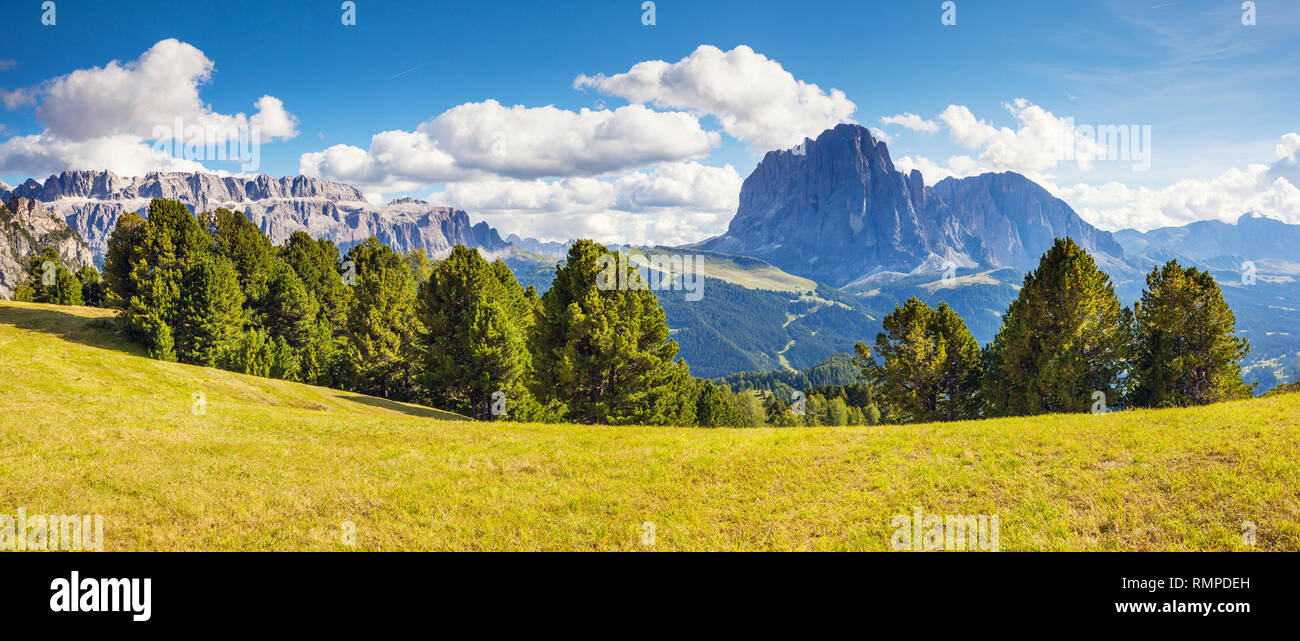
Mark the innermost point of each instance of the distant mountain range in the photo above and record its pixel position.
(828, 237)
(91, 202)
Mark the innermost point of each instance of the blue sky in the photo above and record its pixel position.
(1219, 97)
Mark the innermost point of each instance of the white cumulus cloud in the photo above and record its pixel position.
(1266, 188)
(754, 97)
(107, 117)
(909, 120)
(487, 139)
(671, 204)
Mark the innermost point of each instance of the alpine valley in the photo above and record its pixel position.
(828, 238)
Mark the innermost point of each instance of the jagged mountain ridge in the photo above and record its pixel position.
(1253, 235)
(91, 202)
(837, 210)
(26, 227)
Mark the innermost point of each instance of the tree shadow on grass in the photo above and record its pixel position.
(93, 331)
(405, 408)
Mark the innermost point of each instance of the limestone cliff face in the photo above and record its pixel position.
(837, 210)
(27, 227)
(91, 201)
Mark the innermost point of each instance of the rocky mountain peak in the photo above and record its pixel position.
(27, 227)
(835, 209)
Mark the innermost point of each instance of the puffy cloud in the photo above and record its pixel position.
(125, 155)
(396, 161)
(1287, 147)
(16, 98)
(909, 120)
(143, 95)
(1226, 197)
(105, 117)
(486, 139)
(1041, 142)
(272, 120)
(671, 204)
(522, 142)
(755, 98)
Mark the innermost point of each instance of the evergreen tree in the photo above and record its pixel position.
(929, 367)
(145, 267)
(210, 310)
(714, 407)
(777, 412)
(474, 321)
(287, 310)
(248, 249)
(750, 407)
(48, 281)
(127, 235)
(601, 345)
(1185, 348)
(254, 351)
(92, 288)
(816, 411)
(316, 262)
(1064, 338)
(421, 267)
(837, 412)
(380, 328)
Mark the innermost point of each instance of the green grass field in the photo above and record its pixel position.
(88, 426)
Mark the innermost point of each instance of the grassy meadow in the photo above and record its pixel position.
(89, 426)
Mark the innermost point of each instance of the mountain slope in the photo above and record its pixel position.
(273, 465)
(91, 201)
(26, 227)
(749, 315)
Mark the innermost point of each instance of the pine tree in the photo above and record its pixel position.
(601, 345)
(1185, 350)
(92, 288)
(144, 269)
(380, 328)
(837, 412)
(750, 407)
(254, 351)
(1064, 338)
(421, 266)
(127, 235)
(48, 281)
(714, 407)
(777, 412)
(929, 364)
(210, 310)
(317, 264)
(248, 249)
(287, 310)
(474, 322)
